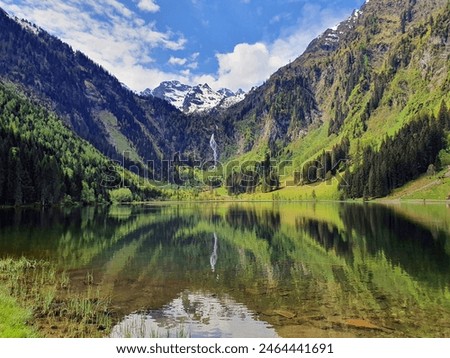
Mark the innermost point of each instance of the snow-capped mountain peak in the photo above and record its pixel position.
(198, 98)
(226, 92)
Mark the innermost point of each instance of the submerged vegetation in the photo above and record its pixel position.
(37, 301)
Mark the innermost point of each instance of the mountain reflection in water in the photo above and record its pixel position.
(196, 315)
(290, 269)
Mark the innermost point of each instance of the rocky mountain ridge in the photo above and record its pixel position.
(191, 99)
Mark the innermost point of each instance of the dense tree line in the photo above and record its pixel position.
(401, 158)
(249, 176)
(42, 161)
(325, 166)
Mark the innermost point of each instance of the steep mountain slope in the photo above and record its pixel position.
(91, 101)
(359, 83)
(363, 79)
(190, 99)
(42, 161)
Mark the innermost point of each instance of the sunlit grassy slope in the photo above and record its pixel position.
(434, 187)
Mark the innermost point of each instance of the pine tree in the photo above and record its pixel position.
(14, 184)
(444, 116)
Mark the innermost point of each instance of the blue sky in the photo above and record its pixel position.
(233, 43)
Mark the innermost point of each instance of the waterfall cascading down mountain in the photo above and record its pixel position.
(213, 145)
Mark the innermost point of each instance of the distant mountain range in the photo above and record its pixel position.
(190, 99)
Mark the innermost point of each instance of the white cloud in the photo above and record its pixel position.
(177, 61)
(244, 67)
(122, 9)
(122, 41)
(192, 65)
(249, 65)
(148, 5)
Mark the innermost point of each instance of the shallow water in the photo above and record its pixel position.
(195, 315)
(252, 269)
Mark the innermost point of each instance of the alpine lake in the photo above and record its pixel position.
(235, 269)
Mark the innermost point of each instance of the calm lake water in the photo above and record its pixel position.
(252, 269)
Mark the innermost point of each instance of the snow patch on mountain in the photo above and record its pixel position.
(173, 92)
(233, 98)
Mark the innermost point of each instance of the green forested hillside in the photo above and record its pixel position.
(90, 100)
(412, 151)
(42, 161)
(361, 83)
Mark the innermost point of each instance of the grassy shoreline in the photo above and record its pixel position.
(247, 200)
(36, 301)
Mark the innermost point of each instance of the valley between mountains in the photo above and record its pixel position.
(363, 113)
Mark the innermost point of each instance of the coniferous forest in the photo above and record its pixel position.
(412, 151)
(42, 161)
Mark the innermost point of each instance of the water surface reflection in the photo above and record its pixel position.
(305, 269)
(195, 315)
